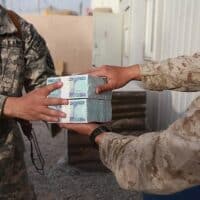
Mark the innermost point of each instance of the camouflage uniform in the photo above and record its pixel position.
(24, 62)
(161, 162)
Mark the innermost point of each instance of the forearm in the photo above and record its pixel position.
(181, 74)
(133, 72)
(160, 163)
(11, 107)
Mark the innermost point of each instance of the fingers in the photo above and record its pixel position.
(53, 113)
(50, 88)
(49, 118)
(104, 88)
(55, 101)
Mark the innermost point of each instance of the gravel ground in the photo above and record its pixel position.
(64, 182)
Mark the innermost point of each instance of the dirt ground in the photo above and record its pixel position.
(64, 182)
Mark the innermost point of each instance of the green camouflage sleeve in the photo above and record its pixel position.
(158, 162)
(39, 65)
(181, 74)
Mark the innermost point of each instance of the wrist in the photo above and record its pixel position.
(91, 128)
(97, 135)
(10, 107)
(99, 138)
(133, 72)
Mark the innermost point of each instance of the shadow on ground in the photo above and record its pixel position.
(63, 182)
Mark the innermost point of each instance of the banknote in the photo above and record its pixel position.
(55, 93)
(86, 110)
(79, 87)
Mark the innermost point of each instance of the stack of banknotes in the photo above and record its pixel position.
(84, 104)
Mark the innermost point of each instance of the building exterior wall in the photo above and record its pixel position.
(159, 30)
(175, 31)
(35, 6)
(114, 4)
(69, 38)
(107, 35)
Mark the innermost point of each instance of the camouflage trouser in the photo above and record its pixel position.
(14, 183)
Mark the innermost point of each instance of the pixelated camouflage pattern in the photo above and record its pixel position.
(14, 183)
(181, 74)
(24, 62)
(161, 162)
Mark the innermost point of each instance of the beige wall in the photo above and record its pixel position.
(69, 39)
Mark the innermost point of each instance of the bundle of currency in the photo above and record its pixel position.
(79, 87)
(85, 111)
(84, 104)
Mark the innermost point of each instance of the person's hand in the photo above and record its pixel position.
(82, 129)
(34, 105)
(117, 77)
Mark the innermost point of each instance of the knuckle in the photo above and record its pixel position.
(54, 113)
(52, 101)
(41, 117)
(55, 101)
(48, 89)
(51, 86)
(104, 67)
(48, 119)
(48, 102)
(61, 101)
(52, 119)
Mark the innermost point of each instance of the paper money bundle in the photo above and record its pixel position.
(85, 111)
(84, 104)
(79, 87)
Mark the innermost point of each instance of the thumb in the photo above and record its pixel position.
(104, 88)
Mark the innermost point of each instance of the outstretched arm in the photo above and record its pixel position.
(181, 73)
(158, 162)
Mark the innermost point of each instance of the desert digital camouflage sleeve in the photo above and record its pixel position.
(181, 74)
(161, 162)
(158, 162)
